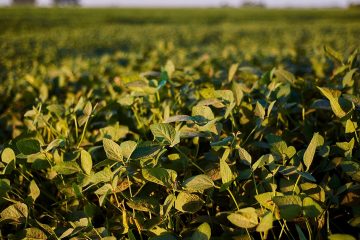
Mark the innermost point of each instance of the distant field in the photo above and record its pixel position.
(89, 31)
(168, 124)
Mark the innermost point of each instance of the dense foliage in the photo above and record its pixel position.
(179, 124)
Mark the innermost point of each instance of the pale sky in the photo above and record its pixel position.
(202, 3)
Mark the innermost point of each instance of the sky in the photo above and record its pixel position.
(202, 3)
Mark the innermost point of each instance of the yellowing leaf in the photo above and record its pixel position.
(113, 150)
(203, 232)
(7, 155)
(245, 157)
(225, 171)
(35, 234)
(311, 208)
(165, 133)
(127, 148)
(333, 97)
(244, 218)
(34, 191)
(259, 110)
(290, 206)
(265, 199)
(16, 213)
(266, 222)
(170, 68)
(284, 76)
(238, 92)
(333, 54)
(350, 126)
(66, 168)
(203, 111)
(341, 237)
(86, 162)
(187, 202)
(232, 70)
(316, 141)
(198, 183)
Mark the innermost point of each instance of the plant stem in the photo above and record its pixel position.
(83, 134)
(190, 160)
(233, 198)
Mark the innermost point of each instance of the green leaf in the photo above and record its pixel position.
(203, 232)
(4, 187)
(146, 150)
(131, 236)
(316, 141)
(307, 176)
(165, 133)
(28, 146)
(333, 97)
(266, 222)
(113, 150)
(245, 157)
(198, 183)
(341, 237)
(86, 162)
(225, 171)
(8, 155)
(66, 168)
(352, 169)
(300, 233)
(127, 148)
(34, 191)
(188, 202)
(244, 218)
(161, 176)
(290, 206)
(223, 142)
(164, 236)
